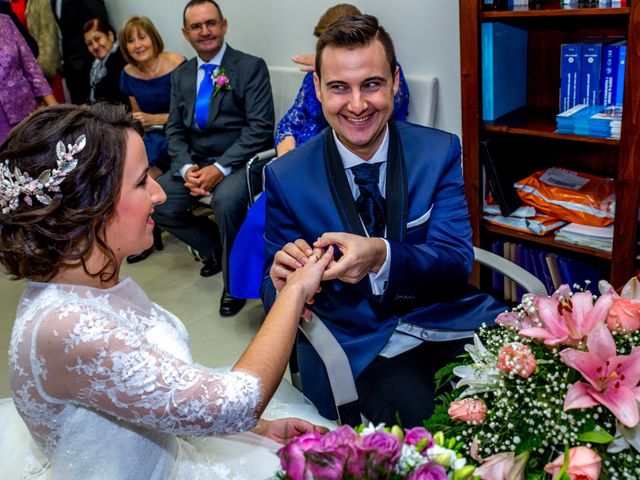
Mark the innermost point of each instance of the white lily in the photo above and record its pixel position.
(625, 437)
(482, 375)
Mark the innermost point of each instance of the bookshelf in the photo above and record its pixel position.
(525, 140)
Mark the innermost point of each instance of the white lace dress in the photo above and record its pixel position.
(105, 383)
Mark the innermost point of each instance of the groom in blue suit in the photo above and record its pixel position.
(390, 197)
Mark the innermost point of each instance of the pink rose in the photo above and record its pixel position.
(381, 451)
(468, 410)
(518, 358)
(503, 466)
(325, 465)
(584, 464)
(342, 450)
(222, 81)
(429, 471)
(343, 435)
(624, 315)
(293, 454)
(413, 436)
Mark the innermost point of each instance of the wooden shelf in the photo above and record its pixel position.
(526, 140)
(537, 122)
(546, 240)
(553, 10)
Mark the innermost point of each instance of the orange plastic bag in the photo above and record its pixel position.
(570, 196)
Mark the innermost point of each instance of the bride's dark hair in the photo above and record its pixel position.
(37, 240)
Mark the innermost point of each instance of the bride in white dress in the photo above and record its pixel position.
(102, 376)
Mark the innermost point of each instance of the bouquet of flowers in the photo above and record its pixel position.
(552, 391)
(373, 453)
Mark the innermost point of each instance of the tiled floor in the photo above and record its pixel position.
(171, 278)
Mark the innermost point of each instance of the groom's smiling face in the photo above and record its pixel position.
(204, 28)
(356, 90)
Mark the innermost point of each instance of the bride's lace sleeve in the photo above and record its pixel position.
(83, 357)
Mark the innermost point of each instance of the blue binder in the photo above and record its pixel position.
(504, 69)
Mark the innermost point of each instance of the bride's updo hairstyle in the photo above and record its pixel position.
(38, 239)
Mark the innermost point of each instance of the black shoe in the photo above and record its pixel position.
(157, 238)
(138, 257)
(229, 305)
(210, 267)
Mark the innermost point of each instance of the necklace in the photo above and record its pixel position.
(150, 74)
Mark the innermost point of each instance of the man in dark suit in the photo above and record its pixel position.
(390, 197)
(221, 114)
(76, 59)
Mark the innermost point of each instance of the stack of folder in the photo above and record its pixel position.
(594, 121)
(600, 238)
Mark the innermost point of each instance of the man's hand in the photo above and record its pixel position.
(360, 256)
(285, 429)
(202, 181)
(295, 255)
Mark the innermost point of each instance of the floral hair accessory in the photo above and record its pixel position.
(16, 183)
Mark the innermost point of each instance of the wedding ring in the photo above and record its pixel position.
(315, 255)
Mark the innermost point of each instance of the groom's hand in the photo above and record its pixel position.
(360, 256)
(286, 261)
(294, 255)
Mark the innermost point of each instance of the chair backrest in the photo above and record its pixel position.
(423, 94)
(285, 83)
(423, 98)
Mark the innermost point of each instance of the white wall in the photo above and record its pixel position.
(425, 33)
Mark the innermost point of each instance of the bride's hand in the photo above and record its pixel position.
(283, 430)
(308, 277)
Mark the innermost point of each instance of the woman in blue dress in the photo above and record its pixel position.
(146, 80)
(304, 120)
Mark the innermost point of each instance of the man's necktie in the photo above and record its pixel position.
(204, 95)
(370, 204)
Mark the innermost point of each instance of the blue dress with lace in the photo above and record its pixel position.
(153, 96)
(305, 120)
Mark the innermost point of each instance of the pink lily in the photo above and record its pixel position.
(567, 320)
(613, 379)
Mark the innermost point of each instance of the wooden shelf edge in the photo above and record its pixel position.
(548, 134)
(547, 240)
(553, 12)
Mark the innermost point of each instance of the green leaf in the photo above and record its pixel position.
(600, 436)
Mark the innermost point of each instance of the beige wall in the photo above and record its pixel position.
(425, 32)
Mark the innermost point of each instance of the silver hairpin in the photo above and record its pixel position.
(16, 183)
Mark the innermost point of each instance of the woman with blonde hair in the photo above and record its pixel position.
(146, 80)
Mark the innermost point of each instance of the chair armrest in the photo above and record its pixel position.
(530, 283)
(259, 160)
(335, 360)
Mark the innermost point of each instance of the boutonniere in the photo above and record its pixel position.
(221, 81)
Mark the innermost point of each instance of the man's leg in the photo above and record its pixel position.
(229, 202)
(403, 386)
(175, 217)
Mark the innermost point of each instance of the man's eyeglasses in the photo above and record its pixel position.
(197, 27)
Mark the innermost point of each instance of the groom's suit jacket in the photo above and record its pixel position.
(240, 121)
(430, 263)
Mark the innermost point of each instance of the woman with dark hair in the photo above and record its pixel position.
(104, 77)
(102, 376)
